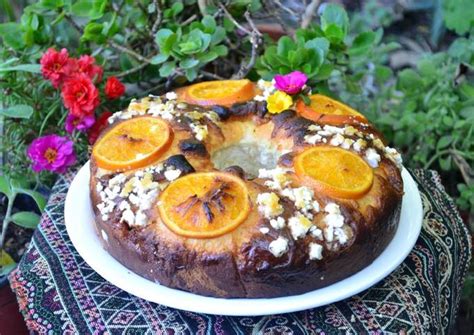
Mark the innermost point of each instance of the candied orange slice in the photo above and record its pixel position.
(132, 144)
(334, 171)
(204, 204)
(327, 110)
(218, 92)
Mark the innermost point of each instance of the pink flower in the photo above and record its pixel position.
(291, 83)
(114, 88)
(55, 66)
(80, 95)
(52, 152)
(86, 64)
(74, 122)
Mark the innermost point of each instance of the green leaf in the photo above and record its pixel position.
(5, 187)
(158, 59)
(12, 35)
(208, 56)
(334, 33)
(26, 219)
(191, 74)
(218, 36)
(467, 90)
(33, 68)
(306, 99)
(37, 197)
(7, 264)
(188, 63)
(334, 16)
(220, 50)
(285, 44)
(382, 73)
(93, 31)
(167, 69)
(445, 163)
(166, 40)
(458, 15)
(409, 81)
(17, 111)
(444, 142)
(209, 23)
(92, 9)
(362, 43)
(321, 46)
(51, 4)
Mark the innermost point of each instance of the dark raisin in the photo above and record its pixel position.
(193, 147)
(179, 162)
(235, 170)
(223, 112)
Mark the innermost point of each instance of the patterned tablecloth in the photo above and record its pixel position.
(59, 293)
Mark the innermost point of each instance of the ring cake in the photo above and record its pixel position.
(208, 190)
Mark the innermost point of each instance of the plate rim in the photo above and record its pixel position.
(95, 255)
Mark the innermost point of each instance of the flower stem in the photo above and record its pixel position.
(6, 219)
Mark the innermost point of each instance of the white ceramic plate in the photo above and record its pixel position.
(81, 229)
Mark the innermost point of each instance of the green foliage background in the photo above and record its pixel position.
(426, 110)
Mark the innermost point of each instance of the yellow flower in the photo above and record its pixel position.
(278, 102)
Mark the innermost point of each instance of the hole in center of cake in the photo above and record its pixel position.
(249, 156)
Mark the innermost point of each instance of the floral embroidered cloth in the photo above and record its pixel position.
(59, 293)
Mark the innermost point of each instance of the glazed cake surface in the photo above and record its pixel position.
(294, 239)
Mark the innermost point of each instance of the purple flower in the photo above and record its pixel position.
(291, 83)
(52, 152)
(74, 122)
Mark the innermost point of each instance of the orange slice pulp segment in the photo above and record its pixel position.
(204, 204)
(132, 144)
(327, 110)
(218, 92)
(334, 171)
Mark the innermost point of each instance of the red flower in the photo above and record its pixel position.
(86, 64)
(98, 126)
(114, 88)
(80, 95)
(55, 66)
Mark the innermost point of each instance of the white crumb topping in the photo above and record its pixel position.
(128, 217)
(279, 246)
(315, 251)
(378, 144)
(334, 224)
(264, 230)
(303, 199)
(359, 144)
(314, 127)
(99, 187)
(347, 143)
(172, 174)
(313, 139)
(166, 110)
(337, 140)
(200, 131)
(269, 204)
(350, 130)
(279, 178)
(394, 156)
(105, 237)
(278, 223)
(316, 232)
(372, 157)
(267, 88)
(171, 96)
(299, 226)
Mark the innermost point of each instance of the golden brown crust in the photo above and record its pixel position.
(239, 264)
